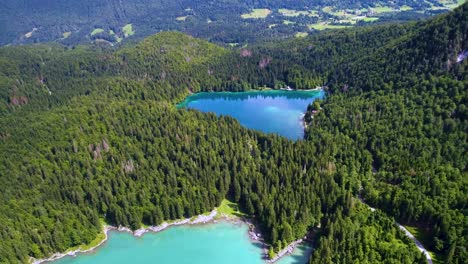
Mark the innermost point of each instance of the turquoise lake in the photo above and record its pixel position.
(222, 242)
(270, 111)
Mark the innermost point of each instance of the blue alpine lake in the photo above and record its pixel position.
(221, 242)
(272, 111)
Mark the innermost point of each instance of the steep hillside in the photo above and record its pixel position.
(403, 110)
(90, 133)
(227, 22)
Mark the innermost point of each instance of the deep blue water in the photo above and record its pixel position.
(276, 111)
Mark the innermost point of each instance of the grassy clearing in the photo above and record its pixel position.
(292, 13)
(406, 8)
(287, 22)
(382, 9)
(66, 34)
(350, 21)
(301, 34)
(323, 26)
(128, 30)
(295, 13)
(330, 10)
(327, 9)
(181, 18)
(370, 19)
(257, 13)
(97, 31)
(451, 4)
(229, 208)
(425, 239)
(117, 38)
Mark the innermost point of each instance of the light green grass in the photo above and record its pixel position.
(117, 38)
(97, 31)
(327, 9)
(181, 18)
(382, 9)
(370, 19)
(406, 8)
(229, 208)
(350, 21)
(291, 12)
(66, 34)
(425, 239)
(323, 26)
(301, 34)
(128, 30)
(451, 4)
(330, 10)
(257, 13)
(287, 22)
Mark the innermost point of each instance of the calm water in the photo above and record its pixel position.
(268, 111)
(223, 242)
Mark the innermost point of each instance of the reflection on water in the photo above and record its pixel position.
(278, 112)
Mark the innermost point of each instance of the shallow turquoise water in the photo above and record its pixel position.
(278, 112)
(223, 242)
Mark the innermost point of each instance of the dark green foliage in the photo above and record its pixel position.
(217, 21)
(364, 237)
(89, 133)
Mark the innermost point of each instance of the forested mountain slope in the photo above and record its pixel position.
(91, 132)
(228, 22)
(404, 107)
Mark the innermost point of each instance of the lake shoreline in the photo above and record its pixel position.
(180, 104)
(213, 217)
(277, 111)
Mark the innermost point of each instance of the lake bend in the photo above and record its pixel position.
(270, 111)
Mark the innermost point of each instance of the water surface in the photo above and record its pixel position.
(276, 111)
(223, 242)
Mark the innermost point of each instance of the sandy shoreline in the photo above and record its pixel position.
(212, 217)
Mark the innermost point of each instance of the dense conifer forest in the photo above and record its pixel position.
(92, 132)
(227, 22)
